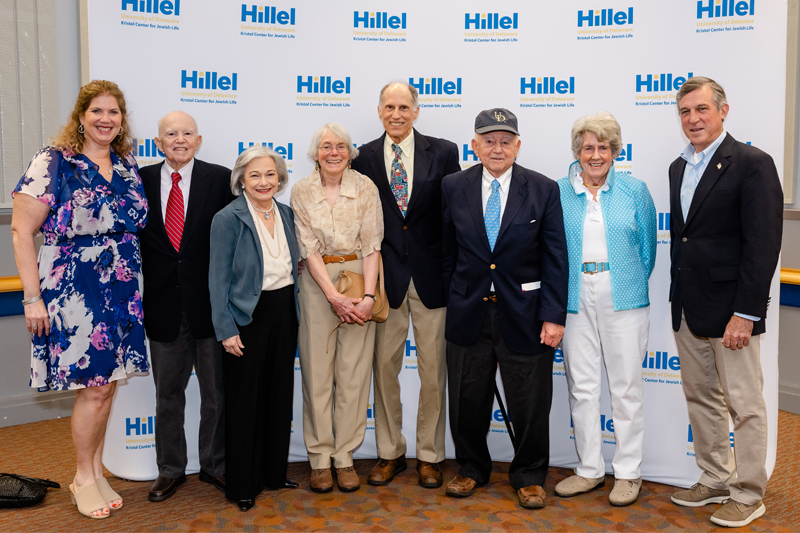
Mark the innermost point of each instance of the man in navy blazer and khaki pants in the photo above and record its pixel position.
(726, 224)
(408, 168)
(505, 272)
(184, 194)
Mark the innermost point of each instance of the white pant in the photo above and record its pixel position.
(619, 338)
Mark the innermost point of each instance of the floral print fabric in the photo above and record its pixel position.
(89, 270)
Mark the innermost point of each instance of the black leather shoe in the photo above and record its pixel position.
(164, 487)
(245, 505)
(289, 484)
(217, 481)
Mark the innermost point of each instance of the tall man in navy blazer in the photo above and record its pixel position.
(726, 210)
(505, 267)
(177, 305)
(408, 168)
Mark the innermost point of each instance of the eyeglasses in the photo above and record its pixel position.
(328, 148)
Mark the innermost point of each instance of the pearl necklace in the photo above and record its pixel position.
(267, 212)
(261, 236)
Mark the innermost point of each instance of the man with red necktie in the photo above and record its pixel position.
(185, 194)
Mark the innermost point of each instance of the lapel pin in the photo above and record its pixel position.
(719, 166)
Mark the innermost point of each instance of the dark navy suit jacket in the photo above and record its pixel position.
(177, 282)
(725, 254)
(412, 246)
(531, 248)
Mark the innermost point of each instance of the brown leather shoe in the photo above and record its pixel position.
(461, 487)
(430, 476)
(347, 479)
(217, 481)
(164, 487)
(533, 497)
(321, 480)
(383, 472)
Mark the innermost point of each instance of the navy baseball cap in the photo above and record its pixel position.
(497, 119)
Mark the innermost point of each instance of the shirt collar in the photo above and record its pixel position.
(694, 158)
(576, 180)
(406, 145)
(504, 179)
(185, 171)
(347, 189)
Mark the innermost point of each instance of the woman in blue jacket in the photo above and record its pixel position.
(610, 223)
(253, 283)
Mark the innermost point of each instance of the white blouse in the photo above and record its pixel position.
(275, 250)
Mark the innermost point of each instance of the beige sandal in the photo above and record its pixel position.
(89, 500)
(108, 493)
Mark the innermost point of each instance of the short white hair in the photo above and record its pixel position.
(254, 152)
(338, 130)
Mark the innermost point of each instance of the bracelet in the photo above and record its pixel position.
(370, 295)
(34, 299)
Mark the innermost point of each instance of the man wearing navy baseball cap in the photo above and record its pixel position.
(505, 274)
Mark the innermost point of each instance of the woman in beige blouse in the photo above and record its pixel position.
(339, 226)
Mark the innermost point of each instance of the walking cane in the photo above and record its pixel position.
(505, 415)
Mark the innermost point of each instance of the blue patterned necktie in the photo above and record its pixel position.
(492, 216)
(399, 181)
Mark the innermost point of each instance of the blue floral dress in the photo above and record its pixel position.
(89, 270)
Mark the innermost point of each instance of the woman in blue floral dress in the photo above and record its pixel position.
(83, 302)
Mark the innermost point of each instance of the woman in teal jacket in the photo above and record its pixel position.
(253, 285)
(610, 223)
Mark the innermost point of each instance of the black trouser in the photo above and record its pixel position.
(258, 397)
(528, 385)
(172, 368)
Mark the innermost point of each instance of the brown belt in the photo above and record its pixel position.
(339, 258)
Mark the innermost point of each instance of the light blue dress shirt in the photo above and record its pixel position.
(695, 167)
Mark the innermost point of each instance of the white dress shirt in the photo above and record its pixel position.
(277, 271)
(486, 192)
(183, 184)
(406, 157)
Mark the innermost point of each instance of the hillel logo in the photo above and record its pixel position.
(147, 148)
(558, 363)
(545, 92)
(605, 17)
(140, 426)
(321, 90)
(606, 430)
(378, 20)
(491, 27)
(438, 92)
(163, 7)
(267, 15)
(725, 8)
(410, 361)
(660, 88)
(208, 81)
(370, 416)
(720, 15)
(497, 423)
(467, 155)
(623, 164)
(660, 368)
(626, 154)
(287, 152)
(297, 360)
(690, 441)
(664, 236)
(491, 21)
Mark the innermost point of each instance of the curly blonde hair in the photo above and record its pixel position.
(70, 138)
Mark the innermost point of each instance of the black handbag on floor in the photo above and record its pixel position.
(21, 491)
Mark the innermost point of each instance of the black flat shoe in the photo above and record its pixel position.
(289, 484)
(245, 505)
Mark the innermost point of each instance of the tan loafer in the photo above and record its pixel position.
(461, 487)
(430, 475)
(700, 495)
(347, 479)
(578, 485)
(383, 472)
(321, 480)
(533, 497)
(625, 492)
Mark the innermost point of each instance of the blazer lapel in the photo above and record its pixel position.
(675, 195)
(198, 191)
(422, 166)
(152, 185)
(241, 210)
(472, 193)
(517, 192)
(378, 166)
(713, 171)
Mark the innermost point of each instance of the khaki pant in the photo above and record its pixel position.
(718, 381)
(336, 383)
(390, 347)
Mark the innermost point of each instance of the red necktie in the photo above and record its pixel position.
(174, 218)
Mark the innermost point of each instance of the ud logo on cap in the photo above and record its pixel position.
(499, 116)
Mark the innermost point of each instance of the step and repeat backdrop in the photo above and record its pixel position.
(272, 74)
